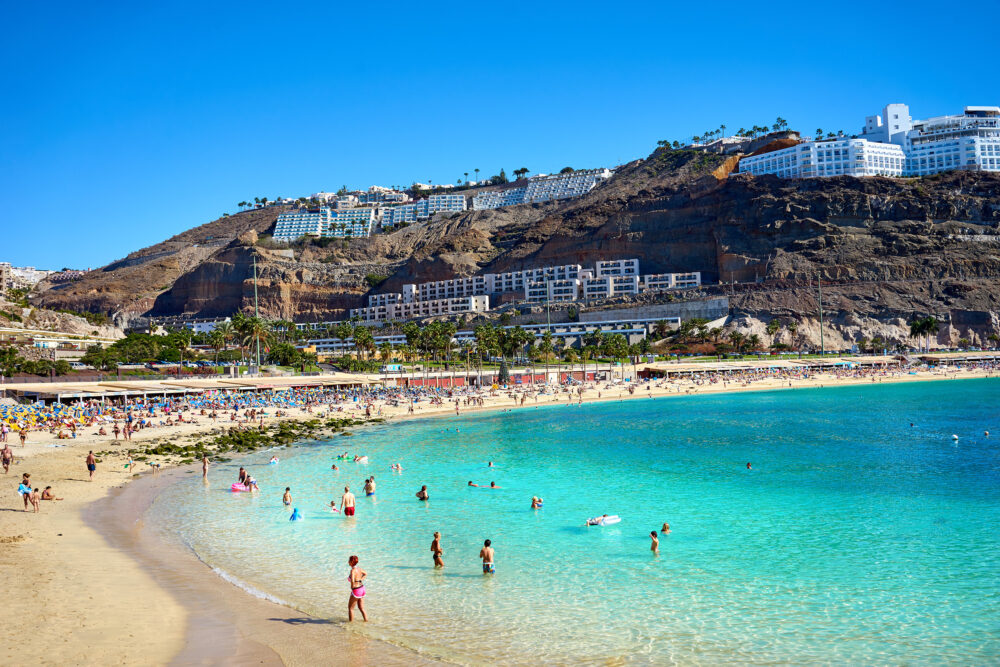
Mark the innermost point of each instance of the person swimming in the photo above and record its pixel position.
(471, 484)
(493, 485)
(296, 515)
(666, 528)
(536, 502)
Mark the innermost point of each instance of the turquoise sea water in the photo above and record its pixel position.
(854, 538)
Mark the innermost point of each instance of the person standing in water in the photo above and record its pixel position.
(487, 554)
(437, 550)
(347, 502)
(370, 486)
(357, 581)
(655, 547)
(287, 498)
(422, 493)
(204, 467)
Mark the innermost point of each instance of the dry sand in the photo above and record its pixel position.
(77, 595)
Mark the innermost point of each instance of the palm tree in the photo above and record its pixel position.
(217, 341)
(257, 333)
(477, 175)
(466, 178)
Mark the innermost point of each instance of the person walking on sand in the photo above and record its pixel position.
(34, 498)
(486, 553)
(91, 464)
(357, 581)
(655, 547)
(24, 435)
(437, 551)
(347, 502)
(6, 457)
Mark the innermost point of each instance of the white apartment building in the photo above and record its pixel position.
(616, 267)
(543, 188)
(516, 281)
(445, 289)
(6, 276)
(553, 290)
(324, 223)
(498, 198)
(656, 282)
(836, 157)
(607, 286)
(393, 216)
(402, 311)
(386, 299)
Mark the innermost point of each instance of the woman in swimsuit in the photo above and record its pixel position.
(437, 551)
(357, 582)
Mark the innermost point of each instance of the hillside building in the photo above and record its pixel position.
(892, 143)
(393, 216)
(543, 188)
(324, 222)
(836, 157)
(402, 311)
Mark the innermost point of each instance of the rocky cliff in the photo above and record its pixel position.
(888, 249)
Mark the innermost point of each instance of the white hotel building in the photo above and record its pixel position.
(893, 144)
(543, 188)
(324, 223)
(835, 157)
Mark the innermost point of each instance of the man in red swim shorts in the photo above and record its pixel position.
(347, 502)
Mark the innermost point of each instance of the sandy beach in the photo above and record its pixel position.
(96, 588)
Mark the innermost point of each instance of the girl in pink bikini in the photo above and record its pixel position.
(357, 581)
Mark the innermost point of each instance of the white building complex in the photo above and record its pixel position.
(567, 282)
(893, 144)
(837, 157)
(324, 222)
(543, 188)
(423, 209)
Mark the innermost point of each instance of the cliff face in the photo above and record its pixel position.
(886, 248)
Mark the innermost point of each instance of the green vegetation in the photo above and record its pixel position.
(12, 363)
(374, 280)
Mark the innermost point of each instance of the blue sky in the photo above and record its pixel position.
(123, 124)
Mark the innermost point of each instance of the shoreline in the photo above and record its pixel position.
(177, 610)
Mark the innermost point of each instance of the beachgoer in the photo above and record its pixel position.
(34, 498)
(748, 466)
(287, 498)
(493, 485)
(24, 435)
(49, 494)
(490, 464)
(347, 502)
(596, 521)
(655, 547)
(6, 457)
(334, 467)
(370, 486)
(356, 578)
(422, 493)
(536, 502)
(486, 553)
(436, 550)
(91, 464)
(204, 467)
(666, 528)
(242, 477)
